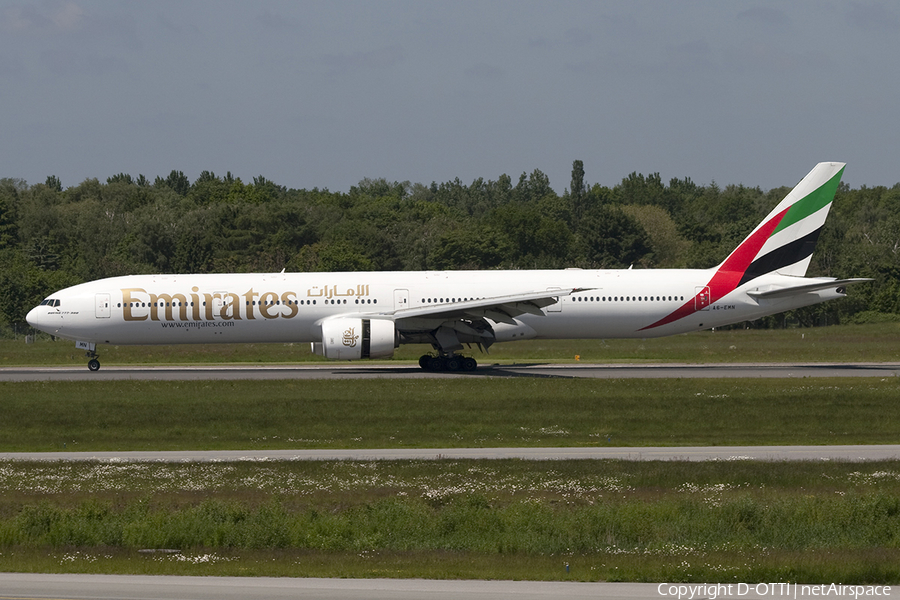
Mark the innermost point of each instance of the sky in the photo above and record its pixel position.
(325, 94)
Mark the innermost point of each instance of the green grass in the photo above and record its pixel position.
(465, 412)
(855, 343)
(857, 567)
(609, 520)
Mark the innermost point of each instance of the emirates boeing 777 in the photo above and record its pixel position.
(349, 316)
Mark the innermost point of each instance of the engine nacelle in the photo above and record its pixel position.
(352, 339)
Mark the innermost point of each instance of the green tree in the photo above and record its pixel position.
(470, 248)
(53, 183)
(536, 240)
(577, 190)
(669, 248)
(611, 239)
(176, 181)
(8, 226)
(121, 178)
(637, 189)
(532, 188)
(330, 257)
(209, 189)
(23, 285)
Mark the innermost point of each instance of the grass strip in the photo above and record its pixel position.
(843, 343)
(877, 566)
(466, 412)
(609, 520)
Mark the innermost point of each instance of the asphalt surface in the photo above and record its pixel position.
(772, 453)
(26, 586)
(381, 371)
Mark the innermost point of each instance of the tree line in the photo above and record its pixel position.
(52, 237)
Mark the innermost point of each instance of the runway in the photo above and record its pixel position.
(28, 586)
(382, 371)
(680, 453)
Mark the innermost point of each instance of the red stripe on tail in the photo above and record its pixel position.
(728, 275)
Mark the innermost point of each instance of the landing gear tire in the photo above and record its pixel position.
(451, 364)
(94, 364)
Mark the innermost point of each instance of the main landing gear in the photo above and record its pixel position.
(94, 363)
(447, 362)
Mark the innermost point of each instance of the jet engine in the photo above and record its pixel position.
(351, 339)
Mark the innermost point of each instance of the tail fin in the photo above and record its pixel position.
(785, 240)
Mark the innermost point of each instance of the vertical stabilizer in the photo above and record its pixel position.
(782, 243)
(785, 240)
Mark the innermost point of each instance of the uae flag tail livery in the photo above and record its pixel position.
(782, 244)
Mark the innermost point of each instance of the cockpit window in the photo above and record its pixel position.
(56, 303)
(50, 302)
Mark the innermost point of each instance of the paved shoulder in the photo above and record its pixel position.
(683, 453)
(102, 587)
(142, 587)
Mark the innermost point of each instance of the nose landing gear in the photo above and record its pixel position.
(91, 347)
(94, 363)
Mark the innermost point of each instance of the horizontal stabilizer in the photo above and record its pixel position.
(794, 290)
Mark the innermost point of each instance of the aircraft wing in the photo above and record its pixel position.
(794, 290)
(502, 309)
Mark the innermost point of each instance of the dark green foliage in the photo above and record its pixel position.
(8, 227)
(577, 187)
(468, 248)
(23, 284)
(178, 182)
(611, 239)
(53, 183)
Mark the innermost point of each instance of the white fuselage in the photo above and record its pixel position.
(290, 307)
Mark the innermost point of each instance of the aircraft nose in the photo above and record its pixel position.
(33, 317)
